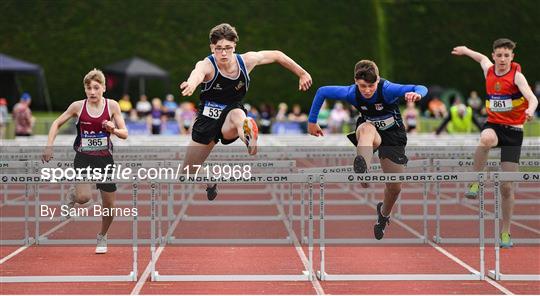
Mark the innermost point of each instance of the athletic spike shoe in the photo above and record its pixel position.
(101, 247)
(506, 240)
(69, 201)
(472, 193)
(211, 192)
(382, 221)
(251, 134)
(360, 167)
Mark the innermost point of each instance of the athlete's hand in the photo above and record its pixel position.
(108, 126)
(529, 114)
(187, 88)
(459, 50)
(305, 81)
(314, 129)
(47, 154)
(412, 97)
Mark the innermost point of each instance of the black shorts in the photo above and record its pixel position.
(156, 129)
(84, 160)
(206, 130)
(509, 139)
(392, 146)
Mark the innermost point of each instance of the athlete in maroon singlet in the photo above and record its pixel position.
(97, 119)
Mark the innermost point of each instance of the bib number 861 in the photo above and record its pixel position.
(499, 104)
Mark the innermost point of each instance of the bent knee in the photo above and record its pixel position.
(507, 189)
(365, 128)
(488, 139)
(84, 198)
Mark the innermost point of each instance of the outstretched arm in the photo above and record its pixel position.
(202, 69)
(412, 93)
(255, 58)
(524, 88)
(343, 93)
(484, 61)
(70, 112)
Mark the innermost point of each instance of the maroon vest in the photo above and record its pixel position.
(92, 137)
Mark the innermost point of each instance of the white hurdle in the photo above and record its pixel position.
(420, 163)
(499, 177)
(306, 275)
(36, 181)
(258, 165)
(412, 177)
(464, 163)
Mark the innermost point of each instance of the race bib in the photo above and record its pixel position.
(382, 123)
(411, 121)
(213, 110)
(94, 142)
(156, 121)
(500, 105)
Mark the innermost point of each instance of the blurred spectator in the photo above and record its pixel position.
(265, 119)
(298, 116)
(22, 116)
(169, 106)
(282, 112)
(185, 116)
(411, 116)
(125, 106)
(3, 117)
(133, 115)
(475, 102)
(460, 120)
(143, 106)
(252, 111)
(156, 117)
(324, 114)
(338, 116)
(437, 108)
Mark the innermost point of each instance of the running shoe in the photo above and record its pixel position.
(251, 134)
(101, 247)
(472, 193)
(69, 201)
(506, 240)
(360, 167)
(211, 192)
(382, 221)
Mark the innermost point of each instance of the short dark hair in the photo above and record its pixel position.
(366, 70)
(223, 31)
(505, 43)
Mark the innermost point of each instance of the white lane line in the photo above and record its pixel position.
(146, 274)
(299, 250)
(62, 224)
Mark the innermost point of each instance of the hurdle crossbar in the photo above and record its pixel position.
(396, 178)
(498, 178)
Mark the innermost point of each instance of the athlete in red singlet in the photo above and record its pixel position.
(509, 104)
(97, 119)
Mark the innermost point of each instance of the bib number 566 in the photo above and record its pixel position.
(379, 124)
